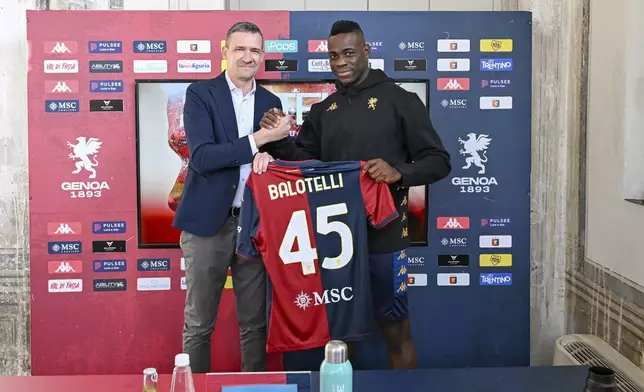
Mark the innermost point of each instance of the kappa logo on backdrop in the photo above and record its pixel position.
(452, 223)
(65, 267)
(105, 46)
(453, 84)
(64, 228)
(474, 149)
(61, 86)
(318, 46)
(61, 47)
(84, 154)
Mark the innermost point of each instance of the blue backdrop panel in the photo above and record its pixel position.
(453, 325)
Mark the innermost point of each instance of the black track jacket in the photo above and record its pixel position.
(375, 119)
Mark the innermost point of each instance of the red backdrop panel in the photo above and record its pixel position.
(79, 330)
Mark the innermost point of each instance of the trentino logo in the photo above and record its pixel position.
(493, 65)
(149, 46)
(496, 279)
(280, 46)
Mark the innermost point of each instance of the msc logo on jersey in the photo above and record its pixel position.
(330, 296)
(496, 45)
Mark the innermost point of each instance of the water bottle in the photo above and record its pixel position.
(150, 377)
(336, 372)
(600, 379)
(182, 374)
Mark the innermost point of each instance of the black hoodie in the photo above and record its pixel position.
(374, 119)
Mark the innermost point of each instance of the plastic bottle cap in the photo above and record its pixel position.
(182, 360)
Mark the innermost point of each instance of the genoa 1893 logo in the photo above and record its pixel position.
(84, 154)
(474, 148)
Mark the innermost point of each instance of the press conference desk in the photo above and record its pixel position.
(527, 379)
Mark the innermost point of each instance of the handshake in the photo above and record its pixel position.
(275, 126)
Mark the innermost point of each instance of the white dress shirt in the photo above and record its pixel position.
(245, 113)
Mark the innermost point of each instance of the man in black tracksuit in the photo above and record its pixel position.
(372, 119)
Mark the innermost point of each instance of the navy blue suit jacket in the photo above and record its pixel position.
(216, 152)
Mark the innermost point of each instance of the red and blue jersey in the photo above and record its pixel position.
(308, 221)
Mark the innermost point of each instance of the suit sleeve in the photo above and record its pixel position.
(303, 147)
(430, 161)
(206, 154)
(378, 202)
(248, 229)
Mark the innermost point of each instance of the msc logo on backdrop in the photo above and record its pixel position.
(64, 247)
(61, 106)
(149, 46)
(280, 46)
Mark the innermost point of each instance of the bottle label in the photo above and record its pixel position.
(337, 388)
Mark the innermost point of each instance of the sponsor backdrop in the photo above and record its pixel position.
(104, 302)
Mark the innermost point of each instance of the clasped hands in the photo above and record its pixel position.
(378, 169)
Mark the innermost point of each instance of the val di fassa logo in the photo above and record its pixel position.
(474, 149)
(61, 66)
(329, 296)
(84, 153)
(65, 285)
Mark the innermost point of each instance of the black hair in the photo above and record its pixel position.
(345, 27)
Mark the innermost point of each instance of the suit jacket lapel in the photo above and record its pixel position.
(224, 105)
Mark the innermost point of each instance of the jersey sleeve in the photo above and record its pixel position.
(248, 229)
(378, 201)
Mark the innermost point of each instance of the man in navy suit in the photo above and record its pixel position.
(221, 118)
